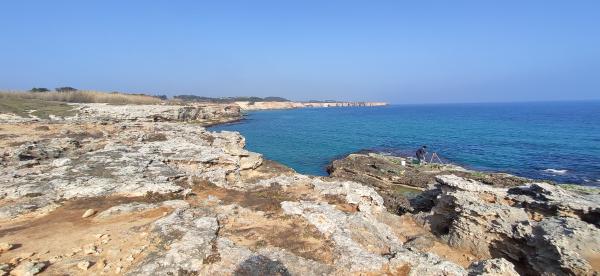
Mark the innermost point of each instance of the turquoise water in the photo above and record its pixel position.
(557, 141)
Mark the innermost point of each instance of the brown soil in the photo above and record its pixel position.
(61, 235)
(291, 233)
(265, 199)
(253, 228)
(408, 230)
(266, 170)
(341, 204)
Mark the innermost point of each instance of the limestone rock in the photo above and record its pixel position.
(540, 227)
(88, 213)
(84, 265)
(28, 268)
(36, 151)
(190, 238)
(90, 249)
(4, 246)
(493, 267)
(4, 269)
(564, 245)
(248, 218)
(125, 209)
(203, 113)
(251, 161)
(399, 184)
(362, 242)
(552, 200)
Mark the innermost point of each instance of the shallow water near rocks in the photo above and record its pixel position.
(559, 141)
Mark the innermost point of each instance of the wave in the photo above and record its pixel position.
(555, 171)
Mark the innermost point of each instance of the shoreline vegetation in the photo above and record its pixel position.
(72, 95)
(81, 96)
(146, 189)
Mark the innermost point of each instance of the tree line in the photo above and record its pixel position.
(58, 89)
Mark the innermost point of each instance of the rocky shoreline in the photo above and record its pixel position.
(147, 190)
(291, 105)
(527, 222)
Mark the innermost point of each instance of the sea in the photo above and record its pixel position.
(558, 141)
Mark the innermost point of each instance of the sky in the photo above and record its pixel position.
(394, 51)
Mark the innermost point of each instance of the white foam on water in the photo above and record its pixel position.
(555, 171)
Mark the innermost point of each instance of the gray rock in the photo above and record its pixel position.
(5, 269)
(564, 245)
(493, 267)
(539, 227)
(202, 113)
(36, 151)
(28, 268)
(251, 161)
(360, 240)
(552, 200)
(125, 209)
(189, 239)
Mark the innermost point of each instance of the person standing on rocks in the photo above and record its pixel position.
(421, 152)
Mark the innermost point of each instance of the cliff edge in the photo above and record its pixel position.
(244, 105)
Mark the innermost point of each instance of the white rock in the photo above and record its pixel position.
(84, 265)
(90, 249)
(88, 213)
(4, 246)
(28, 268)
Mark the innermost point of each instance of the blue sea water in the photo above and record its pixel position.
(559, 141)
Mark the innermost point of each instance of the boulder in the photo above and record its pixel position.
(88, 213)
(4, 246)
(493, 267)
(531, 226)
(28, 268)
(251, 161)
(84, 265)
(36, 151)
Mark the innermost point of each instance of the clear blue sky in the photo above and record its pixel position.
(401, 52)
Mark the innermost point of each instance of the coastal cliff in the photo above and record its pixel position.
(290, 105)
(147, 190)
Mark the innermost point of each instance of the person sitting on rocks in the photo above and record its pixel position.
(421, 152)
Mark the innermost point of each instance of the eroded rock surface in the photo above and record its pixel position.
(400, 184)
(173, 198)
(541, 228)
(201, 113)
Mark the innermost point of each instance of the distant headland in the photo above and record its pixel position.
(257, 103)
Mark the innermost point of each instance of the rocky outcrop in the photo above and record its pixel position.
(126, 165)
(493, 267)
(401, 185)
(516, 224)
(206, 114)
(203, 203)
(142, 194)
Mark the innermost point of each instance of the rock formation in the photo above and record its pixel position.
(205, 114)
(132, 190)
(401, 185)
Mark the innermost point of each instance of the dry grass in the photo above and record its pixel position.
(83, 97)
(39, 108)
